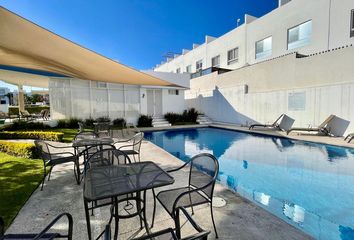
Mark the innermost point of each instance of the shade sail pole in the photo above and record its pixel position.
(21, 99)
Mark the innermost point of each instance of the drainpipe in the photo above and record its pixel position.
(329, 23)
(246, 50)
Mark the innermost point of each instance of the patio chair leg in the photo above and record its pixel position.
(134, 157)
(138, 206)
(190, 200)
(44, 175)
(212, 218)
(50, 172)
(139, 157)
(154, 209)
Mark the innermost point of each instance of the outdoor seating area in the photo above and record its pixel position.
(116, 191)
(243, 134)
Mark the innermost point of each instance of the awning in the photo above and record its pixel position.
(25, 45)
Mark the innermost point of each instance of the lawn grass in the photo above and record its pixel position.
(69, 133)
(19, 177)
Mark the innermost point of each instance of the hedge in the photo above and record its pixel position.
(188, 116)
(38, 109)
(25, 150)
(50, 136)
(145, 121)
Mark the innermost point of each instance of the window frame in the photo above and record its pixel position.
(235, 59)
(298, 25)
(189, 68)
(174, 92)
(201, 65)
(352, 23)
(255, 48)
(216, 57)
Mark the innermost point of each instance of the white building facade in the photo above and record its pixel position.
(295, 26)
(77, 98)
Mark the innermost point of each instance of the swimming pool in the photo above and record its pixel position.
(309, 185)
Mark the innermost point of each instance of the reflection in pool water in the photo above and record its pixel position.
(309, 185)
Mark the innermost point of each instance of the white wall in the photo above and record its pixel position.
(340, 23)
(172, 103)
(330, 29)
(84, 99)
(326, 82)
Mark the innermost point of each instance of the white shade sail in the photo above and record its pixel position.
(24, 44)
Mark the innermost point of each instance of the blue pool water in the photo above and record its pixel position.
(309, 185)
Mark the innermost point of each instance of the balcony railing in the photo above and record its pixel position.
(208, 71)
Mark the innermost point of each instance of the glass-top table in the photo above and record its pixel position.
(92, 142)
(109, 182)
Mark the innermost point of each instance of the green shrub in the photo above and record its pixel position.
(24, 125)
(68, 123)
(89, 123)
(173, 118)
(188, 116)
(37, 109)
(103, 119)
(145, 121)
(51, 136)
(119, 122)
(25, 150)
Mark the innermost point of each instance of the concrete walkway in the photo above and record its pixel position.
(239, 219)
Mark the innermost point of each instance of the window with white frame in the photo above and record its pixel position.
(352, 23)
(173, 91)
(178, 70)
(101, 85)
(189, 69)
(300, 35)
(232, 56)
(215, 61)
(199, 65)
(264, 48)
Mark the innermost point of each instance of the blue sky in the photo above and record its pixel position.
(138, 32)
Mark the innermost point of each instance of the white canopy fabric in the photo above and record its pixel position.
(24, 44)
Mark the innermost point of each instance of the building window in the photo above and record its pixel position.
(189, 69)
(232, 56)
(300, 35)
(173, 91)
(178, 70)
(264, 48)
(352, 23)
(101, 85)
(199, 65)
(215, 61)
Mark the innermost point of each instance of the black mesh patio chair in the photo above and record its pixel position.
(54, 155)
(83, 136)
(82, 127)
(44, 234)
(130, 130)
(107, 157)
(102, 129)
(134, 147)
(169, 233)
(89, 151)
(203, 171)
